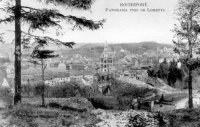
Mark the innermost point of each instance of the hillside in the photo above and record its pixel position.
(95, 49)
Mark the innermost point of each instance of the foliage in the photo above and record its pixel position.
(163, 70)
(77, 4)
(183, 117)
(174, 73)
(34, 116)
(40, 19)
(105, 102)
(43, 54)
(132, 91)
(38, 89)
(121, 96)
(54, 105)
(152, 73)
(168, 72)
(5, 92)
(187, 32)
(27, 89)
(155, 119)
(45, 18)
(120, 88)
(137, 121)
(187, 37)
(63, 91)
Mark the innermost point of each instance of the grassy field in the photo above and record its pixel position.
(31, 114)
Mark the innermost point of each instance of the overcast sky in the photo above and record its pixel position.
(120, 26)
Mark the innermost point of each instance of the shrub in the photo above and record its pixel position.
(132, 91)
(137, 121)
(105, 102)
(183, 117)
(124, 102)
(64, 90)
(29, 90)
(54, 105)
(33, 116)
(5, 92)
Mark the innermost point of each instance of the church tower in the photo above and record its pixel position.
(107, 59)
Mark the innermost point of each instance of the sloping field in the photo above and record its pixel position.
(159, 85)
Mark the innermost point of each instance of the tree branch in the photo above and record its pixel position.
(49, 39)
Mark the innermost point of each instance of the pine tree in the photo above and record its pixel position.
(39, 55)
(40, 19)
(187, 37)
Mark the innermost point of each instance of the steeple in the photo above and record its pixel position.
(107, 48)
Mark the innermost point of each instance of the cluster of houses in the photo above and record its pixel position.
(85, 71)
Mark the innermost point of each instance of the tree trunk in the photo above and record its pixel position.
(190, 102)
(43, 83)
(17, 80)
(29, 88)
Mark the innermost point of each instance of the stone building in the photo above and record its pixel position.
(107, 59)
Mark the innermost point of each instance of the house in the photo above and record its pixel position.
(58, 79)
(5, 83)
(10, 71)
(135, 73)
(56, 67)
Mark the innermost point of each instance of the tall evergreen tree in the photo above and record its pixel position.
(39, 19)
(174, 73)
(39, 55)
(187, 37)
(163, 69)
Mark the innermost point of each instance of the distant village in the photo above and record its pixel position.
(123, 65)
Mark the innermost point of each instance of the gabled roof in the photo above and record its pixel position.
(5, 83)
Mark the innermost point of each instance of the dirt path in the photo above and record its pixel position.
(183, 103)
